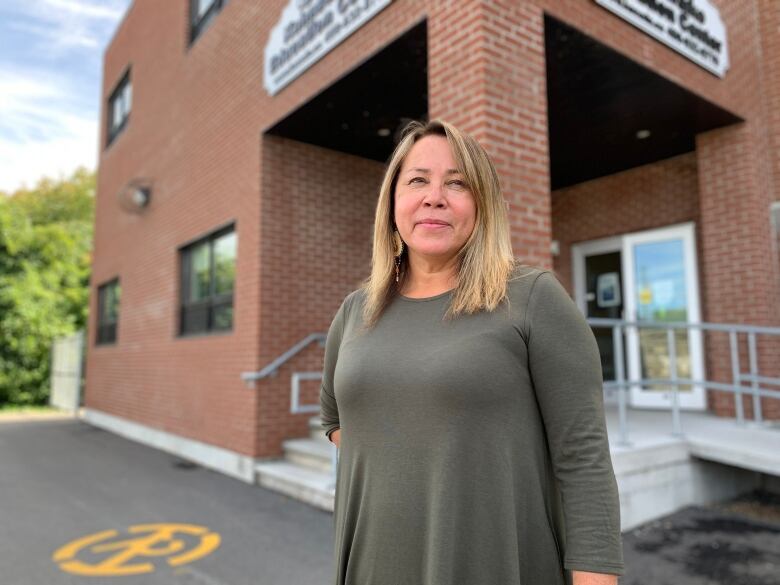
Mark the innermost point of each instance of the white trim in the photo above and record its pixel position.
(696, 399)
(578, 253)
(774, 216)
(228, 462)
(295, 392)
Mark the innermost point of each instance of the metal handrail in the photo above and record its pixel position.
(602, 321)
(295, 406)
(621, 384)
(738, 377)
(273, 367)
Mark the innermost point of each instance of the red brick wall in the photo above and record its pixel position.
(645, 197)
(193, 132)
(739, 265)
(770, 79)
(649, 197)
(196, 129)
(738, 252)
(317, 224)
(487, 75)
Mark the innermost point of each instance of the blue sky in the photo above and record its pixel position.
(51, 54)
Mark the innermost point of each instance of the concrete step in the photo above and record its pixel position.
(316, 488)
(314, 454)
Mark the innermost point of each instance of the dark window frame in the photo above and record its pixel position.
(198, 24)
(106, 332)
(113, 130)
(213, 301)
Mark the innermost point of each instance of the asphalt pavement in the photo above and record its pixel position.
(731, 543)
(81, 505)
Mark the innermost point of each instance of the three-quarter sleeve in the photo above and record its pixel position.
(565, 368)
(329, 410)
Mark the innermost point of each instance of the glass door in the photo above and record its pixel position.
(598, 288)
(661, 284)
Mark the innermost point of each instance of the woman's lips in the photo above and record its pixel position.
(433, 226)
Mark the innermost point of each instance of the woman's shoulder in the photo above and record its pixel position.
(523, 277)
(356, 297)
(533, 288)
(353, 303)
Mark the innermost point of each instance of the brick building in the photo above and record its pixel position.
(242, 144)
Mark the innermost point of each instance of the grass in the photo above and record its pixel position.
(25, 408)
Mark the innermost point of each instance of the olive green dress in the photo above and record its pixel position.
(473, 451)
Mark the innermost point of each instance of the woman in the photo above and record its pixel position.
(468, 389)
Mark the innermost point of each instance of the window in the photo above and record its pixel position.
(108, 311)
(119, 107)
(202, 12)
(208, 273)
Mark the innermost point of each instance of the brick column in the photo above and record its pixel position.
(738, 180)
(486, 75)
(739, 255)
(770, 75)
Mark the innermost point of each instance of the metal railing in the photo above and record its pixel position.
(295, 384)
(753, 377)
(273, 366)
(621, 384)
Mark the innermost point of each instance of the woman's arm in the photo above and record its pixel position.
(583, 578)
(565, 368)
(329, 409)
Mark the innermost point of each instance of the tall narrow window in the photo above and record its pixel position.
(208, 274)
(108, 311)
(119, 107)
(202, 12)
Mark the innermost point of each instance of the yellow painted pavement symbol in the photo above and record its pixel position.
(129, 554)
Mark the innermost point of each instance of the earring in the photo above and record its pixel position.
(399, 249)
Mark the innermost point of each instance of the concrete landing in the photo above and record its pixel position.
(752, 446)
(714, 459)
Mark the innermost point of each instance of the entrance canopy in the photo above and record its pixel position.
(361, 113)
(607, 113)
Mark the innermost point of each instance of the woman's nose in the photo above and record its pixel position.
(435, 195)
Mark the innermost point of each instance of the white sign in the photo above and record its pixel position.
(307, 31)
(691, 27)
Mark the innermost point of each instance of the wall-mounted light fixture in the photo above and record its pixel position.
(136, 195)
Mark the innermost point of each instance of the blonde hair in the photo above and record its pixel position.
(484, 263)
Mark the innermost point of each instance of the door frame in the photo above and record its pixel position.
(696, 399)
(579, 252)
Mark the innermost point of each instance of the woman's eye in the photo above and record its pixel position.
(414, 179)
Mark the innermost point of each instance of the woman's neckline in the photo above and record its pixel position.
(422, 299)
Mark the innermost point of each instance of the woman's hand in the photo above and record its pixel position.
(335, 437)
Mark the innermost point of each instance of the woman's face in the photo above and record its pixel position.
(435, 211)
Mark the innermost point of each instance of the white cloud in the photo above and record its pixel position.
(40, 134)
(49, 113)
(88, 9)
(60, 38)
(24, 166)
(60, 25)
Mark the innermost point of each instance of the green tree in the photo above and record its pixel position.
(45, 259)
